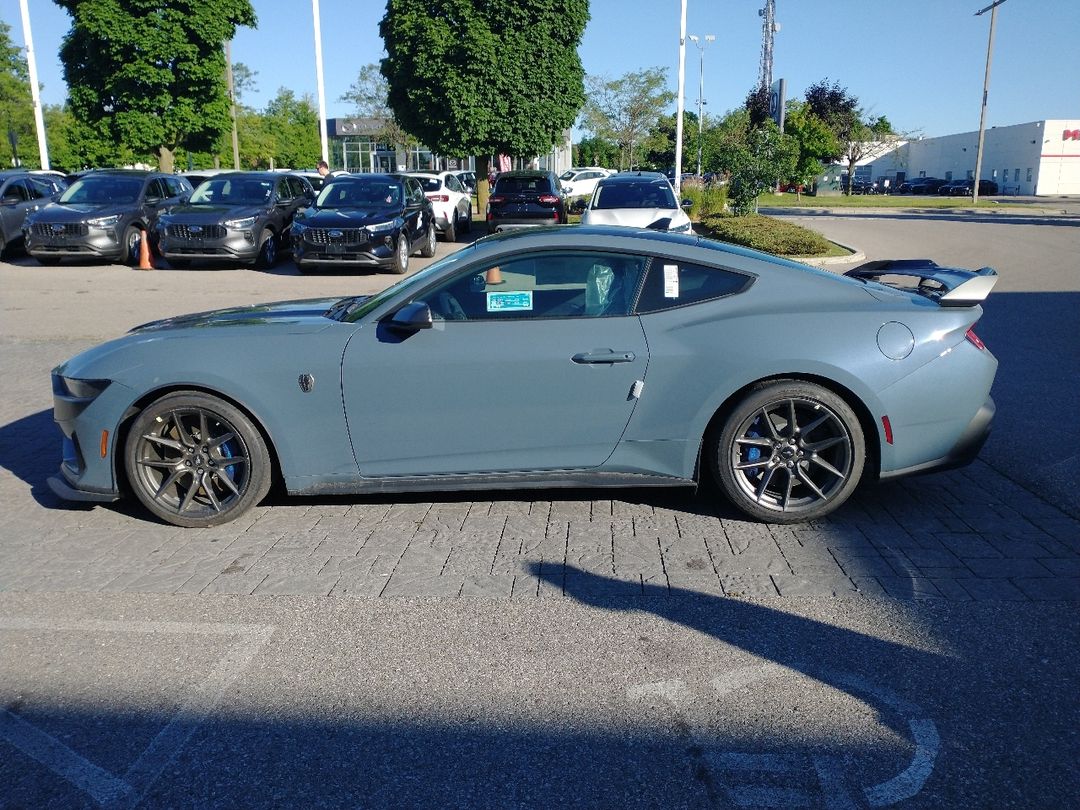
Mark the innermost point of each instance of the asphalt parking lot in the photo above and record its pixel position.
(915, 649)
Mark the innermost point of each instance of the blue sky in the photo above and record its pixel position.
(919, 62)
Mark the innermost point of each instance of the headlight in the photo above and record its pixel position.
(241, 224)
(81, 389)
(104, 222)
(383, 227)
(685, 227)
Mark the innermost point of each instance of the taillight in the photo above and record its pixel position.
(548, 199)
(497, 199)
(439, 197)
(974, 339)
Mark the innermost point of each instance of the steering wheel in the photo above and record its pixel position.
(451, 308)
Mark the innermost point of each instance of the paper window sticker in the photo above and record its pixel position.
(671, 281)
(510, 301)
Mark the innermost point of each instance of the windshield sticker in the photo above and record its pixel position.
(510, 301)
(671, 281)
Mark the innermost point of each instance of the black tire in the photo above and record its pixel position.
(790, 452)
(194, 460)
(400, 265)
(427, 247)
(48, 261)
(268, 252)
(180, 264)
(466, 226)
(132, 240)
(450, 234)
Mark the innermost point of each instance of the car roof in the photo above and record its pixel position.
(636, 177)
(525, 173)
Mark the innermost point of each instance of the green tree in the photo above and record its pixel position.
(16, 105)
(765, 156)
(593, 151)
(152, 72)
(483, 77)
(623, 109)
(369, 95)
(659, 145)
(815, 142)
(294, 121)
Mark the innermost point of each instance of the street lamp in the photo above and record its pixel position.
(701, 88)
(992, 8)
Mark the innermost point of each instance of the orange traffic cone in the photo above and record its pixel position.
(494, 275)
(145, 262)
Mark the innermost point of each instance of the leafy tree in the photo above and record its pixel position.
(757, 104)
(624, 109)
(593, 151)
(659, 145)
(814, 140)
(765, 156)
(483, 77)
(152, 72)
(243, 81)
(295, 123)
(16, 104)
(370, 94)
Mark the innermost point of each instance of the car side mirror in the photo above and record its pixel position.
(413, 317)
(687, 203)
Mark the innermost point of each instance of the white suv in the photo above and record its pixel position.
(450, 200)
(581, 181)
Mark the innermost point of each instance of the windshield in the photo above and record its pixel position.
(233, 191)
(353, 193)
(362, 306)
(654, 194)
(568, 175)
(104, 190)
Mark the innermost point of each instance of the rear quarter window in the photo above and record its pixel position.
(672, 283)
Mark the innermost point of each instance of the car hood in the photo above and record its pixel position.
(347, 217)
(633, 217)
(301, 313)
(211, 214)
(79, 212)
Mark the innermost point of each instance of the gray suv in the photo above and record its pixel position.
(102, 216)
(236, 216)
(21, 193)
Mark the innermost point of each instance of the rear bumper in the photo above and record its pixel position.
(963, 452)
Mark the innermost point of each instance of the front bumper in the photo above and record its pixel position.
(95, 243)
(241, 246)
(377, 253)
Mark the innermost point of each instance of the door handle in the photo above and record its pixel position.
(604, 356)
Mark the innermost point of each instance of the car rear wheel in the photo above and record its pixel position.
(132, 241)
(194, 460)
(267, 256)
(789, 452)
(427, 249)
(450, 234)
(466, 225)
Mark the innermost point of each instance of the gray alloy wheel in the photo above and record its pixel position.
(401, 255)
(450, 234)
(427, 249)
(790, 452)
(132, 240)
(195, 460)
(267, 257)
(466, 226)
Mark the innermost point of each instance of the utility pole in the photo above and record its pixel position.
(986, 90)
(35, 92)
(701, 89)
(319, 80)
(680, 105)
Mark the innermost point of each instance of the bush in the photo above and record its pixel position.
(764, 233)
(707, 199)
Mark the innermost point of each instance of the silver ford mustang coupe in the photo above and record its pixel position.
(579, 356)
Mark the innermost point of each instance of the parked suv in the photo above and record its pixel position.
(237, 216)
(524, 199)
(102, 215)
(451, 201)
(21, 193)
(365, 220)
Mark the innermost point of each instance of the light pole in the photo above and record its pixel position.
(680, 100)
(701, 88)
(986, 89)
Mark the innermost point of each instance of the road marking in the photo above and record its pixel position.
(831, 782)
(105, 788)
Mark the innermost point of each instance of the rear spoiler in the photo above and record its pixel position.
(948, 286)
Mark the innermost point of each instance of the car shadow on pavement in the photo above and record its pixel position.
(30, 450)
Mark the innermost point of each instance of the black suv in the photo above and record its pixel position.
(524, 199)
(365, 220)
(235, 216)
(102, 215)
(21, 193)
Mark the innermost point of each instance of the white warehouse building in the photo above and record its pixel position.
(1040, 158)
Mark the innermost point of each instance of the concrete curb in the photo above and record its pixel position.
(819, 261)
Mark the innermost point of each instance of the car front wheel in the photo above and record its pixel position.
(789, 452)
(267, 256)
(427, 249)
(401, 255)
(194, 460)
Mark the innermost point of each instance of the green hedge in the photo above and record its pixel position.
(764, 233)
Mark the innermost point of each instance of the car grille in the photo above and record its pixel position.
(336, 236)
(47, 229)
(204, 232)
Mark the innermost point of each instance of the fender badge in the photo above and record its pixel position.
(307, 382)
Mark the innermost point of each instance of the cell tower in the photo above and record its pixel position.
(769, 27)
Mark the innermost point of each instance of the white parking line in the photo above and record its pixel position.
(103, 787)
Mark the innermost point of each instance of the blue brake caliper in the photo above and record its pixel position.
(753, 453)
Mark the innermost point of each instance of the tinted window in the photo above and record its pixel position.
(430, 184)
(39, 187)
(673, 283)
(16, 189)
(355, 193)
(648, 194)
(544, 285)
(228, 190)
(453, 183)
(175, 186)
(522, 185)
(156, 189)
(104, 190)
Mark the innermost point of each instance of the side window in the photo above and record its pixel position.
(17, 189)
(156, 190)
(175, 186)
(452, 183)
(541, 285)
(416, 192)
(284, 189)
(671, 283)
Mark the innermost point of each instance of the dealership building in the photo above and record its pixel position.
(1041, 158)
